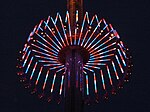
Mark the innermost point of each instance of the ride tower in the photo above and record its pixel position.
(74, 61)
(77, 59)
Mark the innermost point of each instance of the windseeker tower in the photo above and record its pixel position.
(75, 58)
(79, 59)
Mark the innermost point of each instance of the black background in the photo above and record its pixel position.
(129, 17)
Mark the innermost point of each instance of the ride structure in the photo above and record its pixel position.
(77, 59)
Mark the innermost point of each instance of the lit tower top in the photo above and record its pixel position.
(75, 7)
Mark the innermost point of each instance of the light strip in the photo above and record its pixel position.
(61, 86)
(26, 58)
(115, 70)
(29, 65)
(102, 76)
(45, 79)
(37, 80)
(95, 85)
(87, 85)
(119, 64)
(122, 58)
(33, 70)
(110, 79)
(52, 88)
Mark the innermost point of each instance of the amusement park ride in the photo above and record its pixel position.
(77, 59)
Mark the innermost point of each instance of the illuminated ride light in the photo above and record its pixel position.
(40, 67)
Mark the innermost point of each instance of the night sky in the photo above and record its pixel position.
(129, 17)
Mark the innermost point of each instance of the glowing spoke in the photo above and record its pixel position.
(26, 58)
(122, 44)
(119, 64)
(48, 58)
(37, 80)
(95, 85)
(25, 52)
(61, 86)
(56, 18)
(122, 58)
(29, 65)
(102, 76)
(84, 37)
(45, 80)
(49, 61)
(25, 47)
(52, 64)
(56, 67)
(95, 64)
(115, 70)
(91, 67)
(60, 70)
(111, 27)
(97, 61)
(52, 88)
(87, 85)
(110, 79)
(32, 33)
(33, 70)
(67, 17)
(101, 57)
(75, 36)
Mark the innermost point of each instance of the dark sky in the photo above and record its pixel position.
(129, 17)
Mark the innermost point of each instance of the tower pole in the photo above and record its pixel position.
(73, 6)
(74, 64)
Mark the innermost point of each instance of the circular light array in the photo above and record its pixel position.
(42, 69)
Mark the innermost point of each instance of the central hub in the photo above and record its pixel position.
(83, 52)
